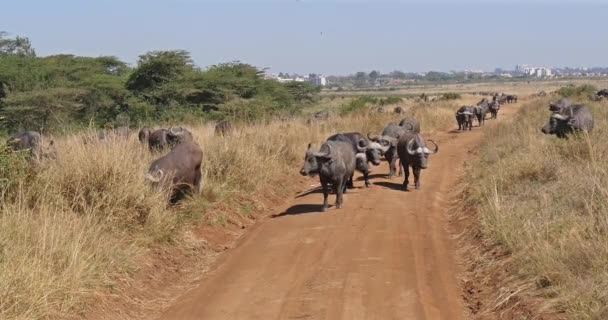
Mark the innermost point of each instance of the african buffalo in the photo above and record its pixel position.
(163, 138)
(464, 117)
(33, 142)
(399, 110)
(179, 170)
(511, 98)
(144, 134)
(390, 135)
(414, 153)
(335, 164)
(365, 151)
(571, 119)
(223, 128)
(493, 108)
(481, 110)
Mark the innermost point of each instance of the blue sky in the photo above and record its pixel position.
(329, 37)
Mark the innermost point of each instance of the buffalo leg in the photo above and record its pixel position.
(350, 183)
(339, 194)
(400, 166)
(366, 178)
(325, 194)
(392, 163)
(406, 171)
(417, 177)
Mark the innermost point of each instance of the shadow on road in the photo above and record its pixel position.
(389, 185)
(300, 209)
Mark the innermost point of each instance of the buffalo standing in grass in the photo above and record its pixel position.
(33, 142)
(568, 120)
(144, 134)
(179, 170)
(464, 117)
(365, 152)
(164, 138)
(335, 164)
(414, 153)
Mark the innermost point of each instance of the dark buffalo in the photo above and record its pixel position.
(414, 153)
(390, 136)
(494, 108)
(179, 170)
(164, 138)
(603, 93)
(144, 134)
(365, 151)
(511, 98)
(399, 110)
(223, 128)
(33, 142)
(569, 120)
(481, 110)
(464, 117)
(335, 164)
(158, 140)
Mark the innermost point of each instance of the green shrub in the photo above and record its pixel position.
(577, 91)
(451, 96)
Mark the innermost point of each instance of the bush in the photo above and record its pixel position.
(577, 91)
(451, 96)
(14, 170)
(357, 105)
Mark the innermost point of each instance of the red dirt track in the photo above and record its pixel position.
(385, 255)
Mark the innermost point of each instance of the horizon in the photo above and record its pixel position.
(331, 38)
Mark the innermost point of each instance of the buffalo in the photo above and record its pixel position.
(571, 119)
(32, 141)
(493, 108)
(144, 134)
(365, 151)
(481, 110)
(335, 164)
(179, 170)
(511, 98)
(223, 128)
(399, 110)
(414, 153)
(390, 136)
(464, 117)
(163, 138)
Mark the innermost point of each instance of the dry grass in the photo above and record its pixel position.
(545, 201)
(79, 223)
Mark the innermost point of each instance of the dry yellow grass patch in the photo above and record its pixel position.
(545, 200)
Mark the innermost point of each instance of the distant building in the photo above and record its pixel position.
(539, 72)
(317, 80)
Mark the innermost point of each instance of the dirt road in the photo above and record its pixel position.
(386, 255)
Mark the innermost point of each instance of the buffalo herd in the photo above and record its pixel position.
(179, 168)
(341, 154)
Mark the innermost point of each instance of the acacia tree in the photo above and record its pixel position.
(20, 46)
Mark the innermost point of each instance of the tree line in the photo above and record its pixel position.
(63, 92)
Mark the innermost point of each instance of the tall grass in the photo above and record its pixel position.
(545, 200)
(69, 229)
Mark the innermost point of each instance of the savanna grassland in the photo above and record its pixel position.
(540, 226)
(79, 227)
